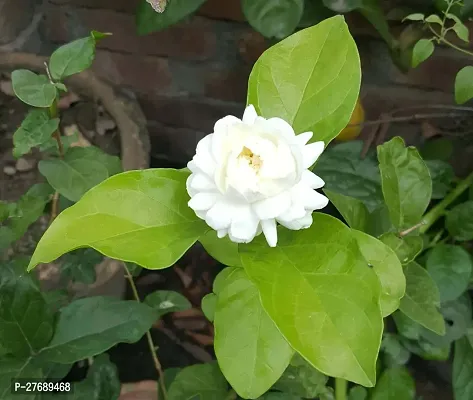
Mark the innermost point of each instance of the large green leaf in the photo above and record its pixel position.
(387, 267)
(395, 384)
(18, 368)
(406, 182)
(353, 210)
(459, 221)
(136, 216)
(251, 352)
(463, 370)
(322, 295)
(34, 90)
(199, 382)
(297, 78)
(35, 130)
(406, 248)
(222, 249)
(167, 301)
(422, 299)
(464, 85)
(273, 18)
(148, 20)
(450, 267)
(81, 169)
(89, 326)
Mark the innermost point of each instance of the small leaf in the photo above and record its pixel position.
(464, 85)
(60, 86)
(459, 221)
(221, 249)
(35, 130)
(148, 20)
(395, 383)
(406, 248)
(209, 302)
(395, 353)
(358, 393)
(387, 267)
(100, 35)
(273, 18)
(92, 325)
(137, 216)
(415, 17)
(201, 381)
(407, 327)
(406, 182)
(462, 31)
(34, 90)
(450, 267)
(442, 175)
(434, 19)
(167, 301)
(295, 79)
(463, 370)
(422, 50)
(353, 210)
(250, 350)
(422, 299)
(79, 265)
(81, 169)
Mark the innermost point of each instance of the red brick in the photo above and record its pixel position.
(144, 75)
(191, 40)
(223, 9)
(128, 6)
(227, 84)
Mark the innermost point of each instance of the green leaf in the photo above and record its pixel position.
(358, 393)
(34, 90)
(406, 182)
(427, 350)
(18, 368)
(459, 221)
(61, 86)
(199, 382)
(51, 147)
(296, 78)
(250, 350)
(462, 31)
(79, 265)
(353, 210)
(90, 326)
(464, 85)
(169, 376)
(379, 221)
(450, 267)
(434, 19)
(301, 379)
(422, 50)
(345, 172)
(395, 383)
(322, 296)
(72, 58)
(167, 301)
(148, 20)
(406, 326)
(437, 149)
(415, 17)
(387, 267)
(209, 302)
(422, 299)
(395, 353)
(406, 248)
(81, 169)
(442, 175)
(136, 216)
(273, 18)
(26, 322)
(35, 130)
(223, 250)
(463, 370)
(314, 12)
(278, 396)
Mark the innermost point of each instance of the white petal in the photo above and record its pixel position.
(244, 225)
(270, 231)
(272, 206)
(311, 153)
(221, 126)
(303, 138)
(296, 211)
(201, 214)
(314, 200)
(221, 233)
(278, 125)
(249, 116)
(203, 201)
(219, 216)
(301, 223)
(311, 180)
(201, 182)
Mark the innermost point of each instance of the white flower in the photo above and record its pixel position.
(251, 173)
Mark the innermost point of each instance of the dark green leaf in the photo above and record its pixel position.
(314, 12)
(406, 182)
(81, 169)
(422, 50)
(250, 350)
(295, 80)
(353, 210)
(17, 368)
(422, 299)
(89, 326)
(199, 382)
(56, 298)
(464, 85)
(395, 353)
(379, 221)
(208, 305)
(460, 221)
(427, 350)
(395, 383)
(223, 250)
(56, 371)
(358, 393)
(169, 376)
(406, 248)
(463, 370)
(437, 149)
(34, 90)
(278, 396)
(406, 326)
(35, 130)
(51, 147)
(79, 265)
(442, 175)
(167, 301)
(148, 20)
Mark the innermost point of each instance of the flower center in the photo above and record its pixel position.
(254, 160)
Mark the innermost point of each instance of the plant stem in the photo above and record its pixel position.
(411, 229)
(436, 212)
(152, 347)
(340, 389)
(440, 38)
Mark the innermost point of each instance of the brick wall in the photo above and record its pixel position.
(195, 72)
